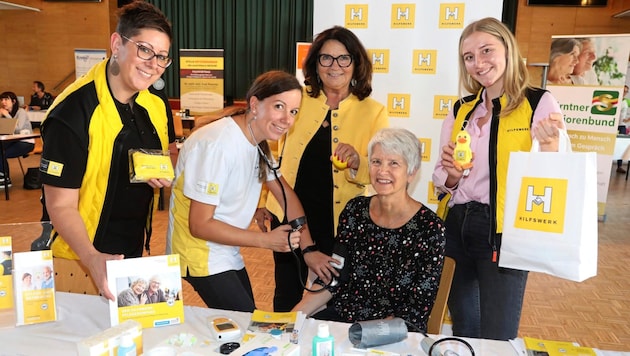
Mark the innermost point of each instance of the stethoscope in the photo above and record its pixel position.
(274, 168)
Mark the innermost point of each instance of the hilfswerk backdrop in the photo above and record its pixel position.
(414, 51)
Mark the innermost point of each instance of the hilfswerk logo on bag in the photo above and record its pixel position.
(542, 204)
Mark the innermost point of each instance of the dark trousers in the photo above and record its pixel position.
(15, 149)
(485, 300)
(288, 269)
(229, 290)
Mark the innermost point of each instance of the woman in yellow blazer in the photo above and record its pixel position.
(336, 121)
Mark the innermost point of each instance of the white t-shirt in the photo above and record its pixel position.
(217, 165)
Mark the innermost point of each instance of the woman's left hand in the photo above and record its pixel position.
(346, 153)
(159, 183)
(547, 132)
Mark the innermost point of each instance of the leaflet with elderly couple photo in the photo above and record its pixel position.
(34, 287)
(147, 289)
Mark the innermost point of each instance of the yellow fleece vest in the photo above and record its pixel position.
(104, 127)
(507, 134)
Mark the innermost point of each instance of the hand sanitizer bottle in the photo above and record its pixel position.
(323, 343)
(127, 347)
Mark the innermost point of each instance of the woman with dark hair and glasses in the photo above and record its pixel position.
(219, 176)
(336, 121)
(97, 214)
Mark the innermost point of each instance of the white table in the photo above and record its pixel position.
(80, 316)
(36, 116)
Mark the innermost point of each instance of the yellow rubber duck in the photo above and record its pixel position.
(462, 153)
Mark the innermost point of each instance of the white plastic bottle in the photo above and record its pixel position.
(323, 343)
(127, 347)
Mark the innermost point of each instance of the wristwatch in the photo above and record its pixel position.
(308, 249)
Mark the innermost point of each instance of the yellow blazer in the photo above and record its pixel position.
(354, 123)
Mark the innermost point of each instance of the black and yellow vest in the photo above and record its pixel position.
(102, 132)
(507, 134)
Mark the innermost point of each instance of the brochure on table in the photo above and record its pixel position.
(34, 287)
(147, 289)
(7, 307)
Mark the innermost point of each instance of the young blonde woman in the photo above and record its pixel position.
(504, 114)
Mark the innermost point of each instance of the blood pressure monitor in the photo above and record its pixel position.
(223, 328)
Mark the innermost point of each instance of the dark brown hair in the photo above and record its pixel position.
(362, 65)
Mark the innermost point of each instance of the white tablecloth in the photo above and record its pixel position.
(36, 116)
(80, 316)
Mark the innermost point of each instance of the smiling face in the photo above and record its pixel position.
(585, 59)
(136, 73)
(565, 63)
(154, 285)
(275, 114)
(485, 60)
(388, 172)
(335, 78)
(139, 287)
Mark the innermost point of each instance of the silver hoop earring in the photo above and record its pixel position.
(353, 82)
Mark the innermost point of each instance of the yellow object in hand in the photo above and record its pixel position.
(462, 153)
(339, 164)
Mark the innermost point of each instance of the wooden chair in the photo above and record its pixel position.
(71, 276)
(436, 318)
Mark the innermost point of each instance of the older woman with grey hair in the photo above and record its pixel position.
(134, 295)
(562, 60)
(394, 244)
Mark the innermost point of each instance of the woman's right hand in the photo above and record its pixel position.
(448, 163)
(96, 263)
(278, 240)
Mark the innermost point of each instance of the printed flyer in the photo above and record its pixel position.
(148, 290)
(7, 307)
(34, 287)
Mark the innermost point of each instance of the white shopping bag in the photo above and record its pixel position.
(550, 217)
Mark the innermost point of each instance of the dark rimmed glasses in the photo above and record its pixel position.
(326, 60)
(148, 54)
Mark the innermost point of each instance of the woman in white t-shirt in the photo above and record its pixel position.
(218, 179)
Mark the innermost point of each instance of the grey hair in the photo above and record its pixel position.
(400, 142)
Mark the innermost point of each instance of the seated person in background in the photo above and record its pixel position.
(154, 293)
(395, 244)
(9, 108)
(134, 295)
(40, 100)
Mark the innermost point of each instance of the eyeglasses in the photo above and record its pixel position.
(326, 60)
(148, 54)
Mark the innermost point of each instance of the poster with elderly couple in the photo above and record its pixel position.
(147, 289)
(586, 75)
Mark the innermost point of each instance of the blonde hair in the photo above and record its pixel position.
(516, 76)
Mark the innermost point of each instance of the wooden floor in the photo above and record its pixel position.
(594, 313)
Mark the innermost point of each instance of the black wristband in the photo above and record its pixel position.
(308, 249)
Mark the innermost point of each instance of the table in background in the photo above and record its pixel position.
(36, 117)
(80, 316)
(5, 167)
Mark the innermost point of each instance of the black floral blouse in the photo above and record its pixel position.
(392, 272)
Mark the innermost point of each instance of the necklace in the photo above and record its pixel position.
(260, 151)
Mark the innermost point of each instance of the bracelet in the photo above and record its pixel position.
(308, 249)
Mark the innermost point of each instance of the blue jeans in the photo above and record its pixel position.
(485, 300)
